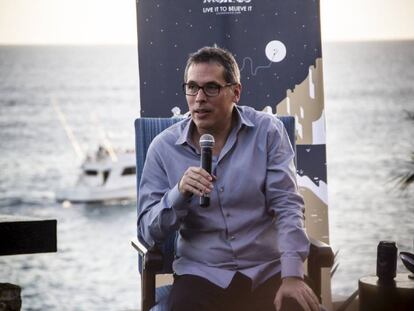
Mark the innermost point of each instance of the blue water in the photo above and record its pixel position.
(95, 267)
(367, 88)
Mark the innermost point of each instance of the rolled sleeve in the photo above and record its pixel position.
(292, 267)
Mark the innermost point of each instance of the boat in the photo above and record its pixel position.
(106, 175)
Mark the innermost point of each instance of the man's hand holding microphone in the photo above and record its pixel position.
(198, 180)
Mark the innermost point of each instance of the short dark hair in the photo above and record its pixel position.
(217, 55)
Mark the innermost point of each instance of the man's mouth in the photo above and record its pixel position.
(202, 112)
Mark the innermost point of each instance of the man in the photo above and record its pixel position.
(246, 250)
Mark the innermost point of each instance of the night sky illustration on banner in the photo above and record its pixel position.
(273, 42)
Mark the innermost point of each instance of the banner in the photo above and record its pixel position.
(277, 44)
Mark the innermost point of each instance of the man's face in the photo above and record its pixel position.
(211, 114)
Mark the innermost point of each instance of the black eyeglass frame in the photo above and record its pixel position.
(202, 88)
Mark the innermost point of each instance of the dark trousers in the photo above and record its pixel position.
(190, 293)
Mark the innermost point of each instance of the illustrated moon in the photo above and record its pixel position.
(275, 51)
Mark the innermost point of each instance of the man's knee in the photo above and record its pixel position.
(191, 293)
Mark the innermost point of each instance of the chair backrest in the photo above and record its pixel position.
(145, 131)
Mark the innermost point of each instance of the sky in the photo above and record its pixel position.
(114, 21)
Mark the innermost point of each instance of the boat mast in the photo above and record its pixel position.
(69, 133)
(106, 143)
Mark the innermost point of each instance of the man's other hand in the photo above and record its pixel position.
(297, 289)
(195, 181)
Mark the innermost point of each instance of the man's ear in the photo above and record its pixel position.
(237, 92)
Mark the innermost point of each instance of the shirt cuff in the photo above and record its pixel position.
(179, 202)
(292, 267)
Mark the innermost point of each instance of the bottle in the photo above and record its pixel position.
(386, 261)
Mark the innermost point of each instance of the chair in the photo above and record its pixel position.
(158, 260)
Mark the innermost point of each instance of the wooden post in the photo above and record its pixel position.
(10, 297)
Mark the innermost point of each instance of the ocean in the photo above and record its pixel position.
(368, 89)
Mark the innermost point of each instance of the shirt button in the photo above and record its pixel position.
(232, 238)
(222, 189)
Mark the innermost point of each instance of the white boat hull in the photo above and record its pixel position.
(89, 195)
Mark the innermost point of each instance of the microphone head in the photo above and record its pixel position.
(206, 141)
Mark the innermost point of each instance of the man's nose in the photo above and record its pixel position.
(201, 96)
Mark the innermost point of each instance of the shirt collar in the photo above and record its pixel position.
(188, 126)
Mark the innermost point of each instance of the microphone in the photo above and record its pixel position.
(206, 145)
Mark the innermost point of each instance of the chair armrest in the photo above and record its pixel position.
(152, 261)
(321, 253)
(140, 247)
(320, 256)
(152, 258)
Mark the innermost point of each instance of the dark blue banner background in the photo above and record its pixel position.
(169, 30)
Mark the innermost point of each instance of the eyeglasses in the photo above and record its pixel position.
(211, 89)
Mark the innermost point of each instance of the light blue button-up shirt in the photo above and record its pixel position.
(254, 223)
